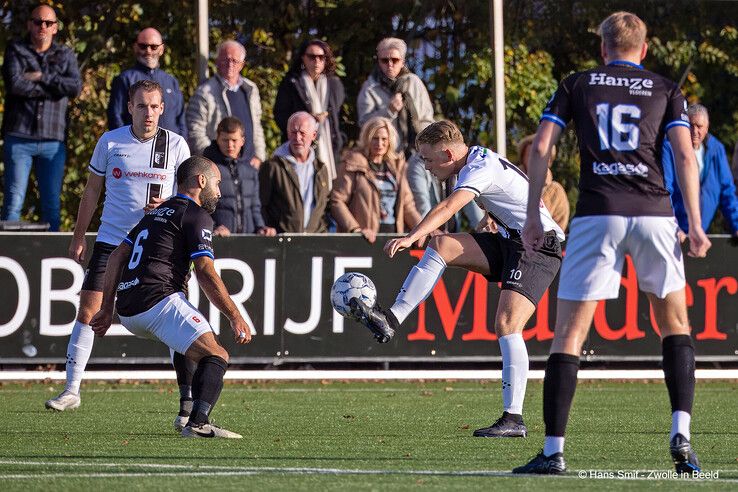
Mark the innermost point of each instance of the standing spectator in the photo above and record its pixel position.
(227, 93)
(553, 195)
(371, 193)
(312, 85)
(716, 181)
(40, 76)
(396, 93)
(239, 208)
(293, 184)
(148, 48)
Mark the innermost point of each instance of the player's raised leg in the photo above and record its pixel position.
(573, 319)
(679, 366)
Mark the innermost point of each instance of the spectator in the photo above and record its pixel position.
(293, 184)
(734, 164)
(148, 48)
(428, 192)
(40, 76)
(553, 195)
(392, 91)
(312, 85)
(227, 93)
(716, 181)
(371, 193)
(239, 208)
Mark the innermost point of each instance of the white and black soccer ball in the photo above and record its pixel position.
(348, 286)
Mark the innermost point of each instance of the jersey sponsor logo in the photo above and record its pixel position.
(117, 173)
(128, 285)
(145, 175)
(616, 168)
(158, 159)
(638, 86)
(207, 235)
(121, 155)
(161, 212)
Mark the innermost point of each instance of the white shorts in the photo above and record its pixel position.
(173, 320)
(596, 249)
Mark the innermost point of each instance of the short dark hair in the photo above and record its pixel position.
(192, 166)
(229, 124)
(330, 60)
(145, 85)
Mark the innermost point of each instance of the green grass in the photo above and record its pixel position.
(383, 435)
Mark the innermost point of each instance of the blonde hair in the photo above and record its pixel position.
(443, 131)
(370, 128)
(525, 143)
(622, 32)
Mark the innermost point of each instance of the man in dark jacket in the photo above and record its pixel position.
(239, 208)
(40, 76)
(148, 48)
(294, 184)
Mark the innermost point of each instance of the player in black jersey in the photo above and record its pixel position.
(621, 113)
(149, 271)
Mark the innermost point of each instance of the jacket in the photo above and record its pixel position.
(556, 201)
(173, 117)
(209, 105)
(292, 97)
(716, 186)
(239, 208)
(355, 197)
(38, 110)
(281, 202)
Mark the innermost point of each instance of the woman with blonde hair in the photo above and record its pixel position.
(371, 193)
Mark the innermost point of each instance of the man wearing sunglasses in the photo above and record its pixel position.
(148, 48)
(394, 92)
(40, 76)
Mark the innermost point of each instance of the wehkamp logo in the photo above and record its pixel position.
(117, 174)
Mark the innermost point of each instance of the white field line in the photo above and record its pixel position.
(378, 375)
(211, 471)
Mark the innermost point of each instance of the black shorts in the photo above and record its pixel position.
(529, 276)
(95, 272)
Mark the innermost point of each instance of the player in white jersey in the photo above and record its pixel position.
(136, 165)
(502, 190)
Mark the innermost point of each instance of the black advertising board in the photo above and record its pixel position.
(283, 286)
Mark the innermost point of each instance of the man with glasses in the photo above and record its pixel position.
(224, 94)
(148, 48)
(394, 92)
(40, 76)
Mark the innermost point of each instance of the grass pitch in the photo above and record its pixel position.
(363, 436)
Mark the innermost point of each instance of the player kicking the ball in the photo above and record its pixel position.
(502, 190)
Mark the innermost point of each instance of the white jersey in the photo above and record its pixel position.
(135, 171)
(502, 190)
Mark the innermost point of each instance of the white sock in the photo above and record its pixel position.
(418, 284)
(78, 353)
(514, 372)
(680, 421)
(553, 445)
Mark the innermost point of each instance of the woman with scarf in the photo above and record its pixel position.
(394, 92)
(371, 193)
(312, 86)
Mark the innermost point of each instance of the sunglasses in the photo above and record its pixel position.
(42, 22)
(314, 57)
(387, 61)
(144, 46)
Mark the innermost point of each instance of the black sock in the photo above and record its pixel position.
(678, 353)
(185, 369)
(206, 386)
(559, 385)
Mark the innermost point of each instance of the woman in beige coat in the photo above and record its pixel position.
(371, 193)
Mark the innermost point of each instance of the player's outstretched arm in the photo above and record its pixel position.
(217, 293)
(438, 215)
(689, 183)
(104, 317)
(87, 207)
(546, 137)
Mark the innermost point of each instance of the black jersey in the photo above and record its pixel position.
(621, 113)
(164, 243)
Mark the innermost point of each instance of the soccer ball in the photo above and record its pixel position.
(348, 286)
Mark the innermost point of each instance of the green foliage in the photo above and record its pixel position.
(449, 48)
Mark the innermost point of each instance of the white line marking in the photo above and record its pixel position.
(195, 471)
